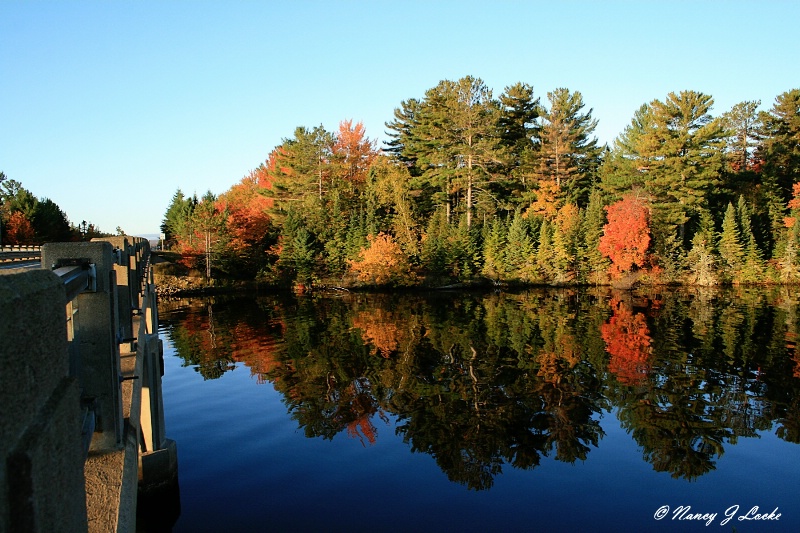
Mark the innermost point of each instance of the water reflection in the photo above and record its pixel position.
(484, 381)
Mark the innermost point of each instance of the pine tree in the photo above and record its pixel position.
(566, 231)
(752, 270)
(494, 245)
(567, 153)
(519, 112)
(685, 145)
(731, 251)
(743, 126)
(625, 166)
(593, 266)
(518, 256)
(701, 260)
(781, 146)
(298, 250)
(434, 243)
(544, 253)
(457, 144)
(301, 170)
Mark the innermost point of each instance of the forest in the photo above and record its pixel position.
(514, 189)
(26, 219)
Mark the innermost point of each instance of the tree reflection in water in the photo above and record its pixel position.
(481, 381)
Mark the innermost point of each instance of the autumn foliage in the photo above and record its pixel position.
(247, 206)
(626, 236)
(19, 229)
(382, 262)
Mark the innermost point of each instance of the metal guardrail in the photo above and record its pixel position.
(13, 254)
(77, 279)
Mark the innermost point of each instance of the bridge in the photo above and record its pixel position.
(82, 436)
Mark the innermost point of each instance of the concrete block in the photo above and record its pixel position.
(33, 362)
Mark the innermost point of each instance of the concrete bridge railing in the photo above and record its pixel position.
(82, 433)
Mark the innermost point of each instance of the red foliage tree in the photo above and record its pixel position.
(247, 207)
(626, 236)
(19, 230)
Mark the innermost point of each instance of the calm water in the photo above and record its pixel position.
(534, 411)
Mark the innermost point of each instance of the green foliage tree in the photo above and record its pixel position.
(519, 252)
(453, 140)
(625, 166)
(50, 223)
(781, 144)
(753, 262)
(177, 219)
(519, 111)
(567, 154)
(743, 125)
(702, 259)
(683, 148)
(593, 265)
(494, 246)
(731, 251)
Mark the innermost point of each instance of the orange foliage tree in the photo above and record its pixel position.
(353, 152)
(383, 262)
(247, 206)
(794, 206)
(627, 339)
(626, 236)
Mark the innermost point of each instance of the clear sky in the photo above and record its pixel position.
(107, 108)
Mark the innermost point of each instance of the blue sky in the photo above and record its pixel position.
(107, 108)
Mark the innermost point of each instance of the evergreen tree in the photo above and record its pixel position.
(454, 140)
(790, 261)
(519, 112)
(50, 224)
(781, 146)
(208, 225)
(731, 251)
(701, 260)
(301, 171)
(566, 231)
(593, 265)
(176, 223)
(519, 256)
(404, 145)
(753, 264)
(683, 147)
(544, 253)
(434, 243)
(743, 126)
(298, 250)
(625, 166)
(463, 250)
(567, 153)
(494, 245)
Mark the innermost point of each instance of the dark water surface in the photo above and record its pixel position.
(535, 411)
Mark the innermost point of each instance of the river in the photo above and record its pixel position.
(539, 410)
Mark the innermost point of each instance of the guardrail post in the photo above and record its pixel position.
(96, 336)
